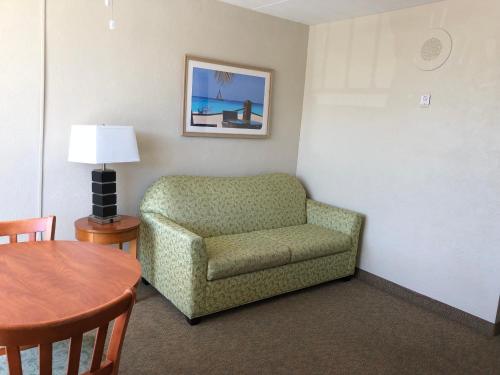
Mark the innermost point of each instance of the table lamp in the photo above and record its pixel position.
(103, 144)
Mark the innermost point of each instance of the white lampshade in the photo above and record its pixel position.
(102, 144)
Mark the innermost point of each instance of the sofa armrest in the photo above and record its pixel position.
(174, 260)
(339, 219)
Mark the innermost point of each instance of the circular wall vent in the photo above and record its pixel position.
(434, 50)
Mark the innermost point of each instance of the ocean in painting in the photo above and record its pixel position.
(211, 106)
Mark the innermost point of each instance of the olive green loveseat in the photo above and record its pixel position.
(212, 243)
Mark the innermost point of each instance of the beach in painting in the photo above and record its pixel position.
(230, 100)
(201, 105)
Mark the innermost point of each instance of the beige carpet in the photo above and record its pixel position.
(336, 328)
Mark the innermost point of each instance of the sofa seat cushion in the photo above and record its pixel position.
(236, 254)
(310, 241)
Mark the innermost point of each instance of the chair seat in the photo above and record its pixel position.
(310, 241)
(236, 254)
(29, 357)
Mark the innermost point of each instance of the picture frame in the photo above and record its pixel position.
(223, 99)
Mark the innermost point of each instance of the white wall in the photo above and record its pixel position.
(20, 66)
(427, 179)
(134, 75)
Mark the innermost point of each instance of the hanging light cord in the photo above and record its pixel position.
(111, 4)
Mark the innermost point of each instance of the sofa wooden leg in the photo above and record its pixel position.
(194, 321)
(144, 281)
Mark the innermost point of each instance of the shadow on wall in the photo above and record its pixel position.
(355, 61)
(151, 146)
(354, 70)
(131, 176)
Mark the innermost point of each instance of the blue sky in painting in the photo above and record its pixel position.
(242, 87)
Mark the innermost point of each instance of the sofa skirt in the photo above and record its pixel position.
(238, 290)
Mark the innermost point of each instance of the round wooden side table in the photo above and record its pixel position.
(125, 230)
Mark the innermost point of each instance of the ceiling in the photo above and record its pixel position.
(312, 12)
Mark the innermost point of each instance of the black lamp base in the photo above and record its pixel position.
(109, 220)
(104, 208)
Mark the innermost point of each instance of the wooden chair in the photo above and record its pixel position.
(44, 335)
(30, 227)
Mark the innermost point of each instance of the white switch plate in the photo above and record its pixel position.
(425, 100)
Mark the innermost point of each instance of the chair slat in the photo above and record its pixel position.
(99, 347)
(50, 231)
(29, 226)
(14, 359)
(75, 349)
(44, 336)
(117, 338)
(45, 359)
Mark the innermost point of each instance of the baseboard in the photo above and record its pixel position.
(480, 325)
(497, 320)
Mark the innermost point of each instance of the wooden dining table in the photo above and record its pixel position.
(45, 281)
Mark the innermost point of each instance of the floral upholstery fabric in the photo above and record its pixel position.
(250, 287)
(236, 254)
(214, 206)
(310, 241)
(338, 219)
(174, 261)
(60, 351)
(175, 250)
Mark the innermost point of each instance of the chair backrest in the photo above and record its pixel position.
(214, 206)
(31, 227)
(44, 335)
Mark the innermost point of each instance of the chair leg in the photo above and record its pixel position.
(193, 322)
(144, 281)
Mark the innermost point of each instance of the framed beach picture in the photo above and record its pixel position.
(226, 100)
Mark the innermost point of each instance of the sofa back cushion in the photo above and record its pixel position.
(213, 206)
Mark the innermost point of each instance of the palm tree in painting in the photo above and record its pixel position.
(223, 78)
